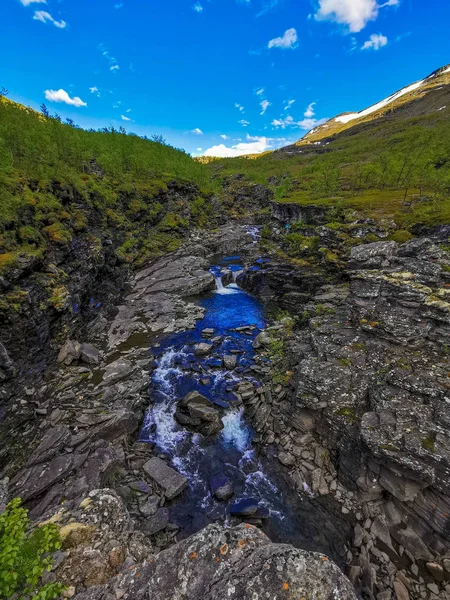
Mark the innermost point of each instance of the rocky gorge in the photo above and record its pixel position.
(181, 430)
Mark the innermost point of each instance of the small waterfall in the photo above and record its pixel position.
(219, 284)
(236, 274)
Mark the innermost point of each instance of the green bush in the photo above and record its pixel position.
(24, 556)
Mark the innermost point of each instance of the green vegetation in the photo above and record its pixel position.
(24, 556)
(428, 443)
(58, 181)
(396, 168)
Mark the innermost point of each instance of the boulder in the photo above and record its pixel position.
(229, 361)
(53, 441)
(245, 508)
(219, 564)
(221, 487)
(69, 351)
(203, 349)
(172, 482)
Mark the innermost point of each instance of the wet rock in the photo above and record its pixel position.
(241, 571)
(203, 349)
(245, 508)
(221, 487)
(230, 361)
(172, 482)
(207, 333)
(261, 340)
(69, 351)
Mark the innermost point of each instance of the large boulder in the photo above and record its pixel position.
(219, 564)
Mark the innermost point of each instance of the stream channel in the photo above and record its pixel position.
(311, 523)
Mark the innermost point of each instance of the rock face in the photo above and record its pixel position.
(370, 383)
(218, 564)
(170, 480)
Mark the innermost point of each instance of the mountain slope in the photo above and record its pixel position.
(419, 98)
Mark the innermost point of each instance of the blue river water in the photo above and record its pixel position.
(292, 517)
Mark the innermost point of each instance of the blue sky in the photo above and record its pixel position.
(224, 77)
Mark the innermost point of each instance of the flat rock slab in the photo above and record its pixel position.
(172, 482)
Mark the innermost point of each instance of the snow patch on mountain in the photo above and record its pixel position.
(375, 107)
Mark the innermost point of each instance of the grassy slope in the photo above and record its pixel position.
(396, 166)
(50, 188)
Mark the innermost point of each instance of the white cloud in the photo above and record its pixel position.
(288, 40)
(114, 68)
(239, 107)
(224, 137)
(264, 106)
(375, 42)
(63, 96)
(252, 145)
(259, 92)
(95, 90)
(45, 17)
(197, 131)
(309, 112)
(128, 110)
(353, 13)
(255, 145)
(28, 2)
(197, 7)
(124, 118)
(307, 123)
(289, 103)
(199, 149)
(244, 123)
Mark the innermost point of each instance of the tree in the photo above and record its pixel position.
(57, 117)
(44, 110)
(4, 92)
(159, 139)
(24, 555)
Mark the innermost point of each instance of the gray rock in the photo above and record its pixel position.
(157, 522)
(69, 351)
(89, 354)
(221, 487)
(203, 349)
(33, 481)
(172, 482)
(229, 361)
(219, 564)
(53, 441)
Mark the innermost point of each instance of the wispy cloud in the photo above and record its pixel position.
(264, 104)
(117, 6)
(289, 103)
(287, 40)
(197, 7)
(124, 118)
(95, 90)
(259, 92)
(63, 96)
(197, 131)
(244, 123)
(239, 107)
(309, 112)
(223, 136)
(306, 123)
(45, 17)
(113, 64)
(375, 42)
(28, 2)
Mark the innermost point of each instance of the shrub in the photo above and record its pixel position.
(24, 555)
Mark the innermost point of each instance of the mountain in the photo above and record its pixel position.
(418, 98)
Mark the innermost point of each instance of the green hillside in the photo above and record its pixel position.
(396, 165)
(58, 181)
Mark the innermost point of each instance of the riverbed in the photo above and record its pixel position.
(232, 319)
